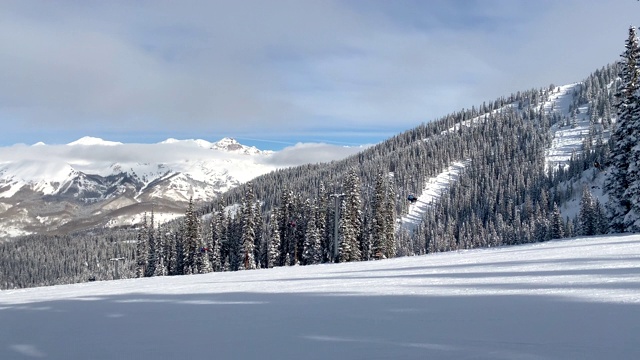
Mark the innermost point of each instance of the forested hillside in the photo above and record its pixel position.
(507, 193)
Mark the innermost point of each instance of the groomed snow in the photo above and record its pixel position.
(572, 299)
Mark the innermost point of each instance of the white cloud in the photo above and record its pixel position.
(256, 67)
(99, 159)
(312, 153)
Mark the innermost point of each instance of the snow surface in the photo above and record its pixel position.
(571, 299)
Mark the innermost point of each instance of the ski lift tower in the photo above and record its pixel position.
(336, 217)
(116, 261)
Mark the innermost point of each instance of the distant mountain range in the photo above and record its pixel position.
(96, 183)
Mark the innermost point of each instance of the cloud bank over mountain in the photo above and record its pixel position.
(283, 70)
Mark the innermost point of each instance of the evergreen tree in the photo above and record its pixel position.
(588, 217)
(248, 238)
(162, 251)
(557, 223)
(321, 221)
(142, 254)
(202, 256)
(622, 179)
(390, 220)
(175, 253)
(191, 240)
(217, 223)
(152, 250)
(602, 224)
(351, 219)
(312, 251)
(286, 221)
(347, 237)
(260, 244)
(379, 220)
(274, 242)
(234, 243)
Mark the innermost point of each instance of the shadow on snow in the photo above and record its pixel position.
(319, 326)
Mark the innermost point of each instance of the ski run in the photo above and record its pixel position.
(569, 299)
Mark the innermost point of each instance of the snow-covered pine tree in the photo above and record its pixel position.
(622, 181)
(152, 250)
(390, 214)
(587, 218)
(321, 221)
(287, 224)
(601, 214)
(316, 245)
(379, 219)
(234, 244)
(347, 237)
(215, 255)
(248, 238)
(162, 250)
(203, 262)
(541, 225)
(351, 219)
(304, 216)
(260, 251)
(274, 241)
(190, 240)
(557, 223)
(174, 258)
(142, 252)
(312, 249)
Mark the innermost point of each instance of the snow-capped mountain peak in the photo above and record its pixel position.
(231, 145)
(90, 141)
(189, 142)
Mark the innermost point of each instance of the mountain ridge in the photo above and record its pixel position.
(33, 184)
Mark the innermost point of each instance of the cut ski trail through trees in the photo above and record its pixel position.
(432, 191)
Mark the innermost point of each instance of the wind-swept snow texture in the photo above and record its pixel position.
(572, 299)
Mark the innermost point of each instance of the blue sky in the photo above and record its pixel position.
(275, 73)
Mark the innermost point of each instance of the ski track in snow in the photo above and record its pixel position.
(570, 299)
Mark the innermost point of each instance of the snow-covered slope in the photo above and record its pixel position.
(573, 299)
(95, 182)
(566, 140)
